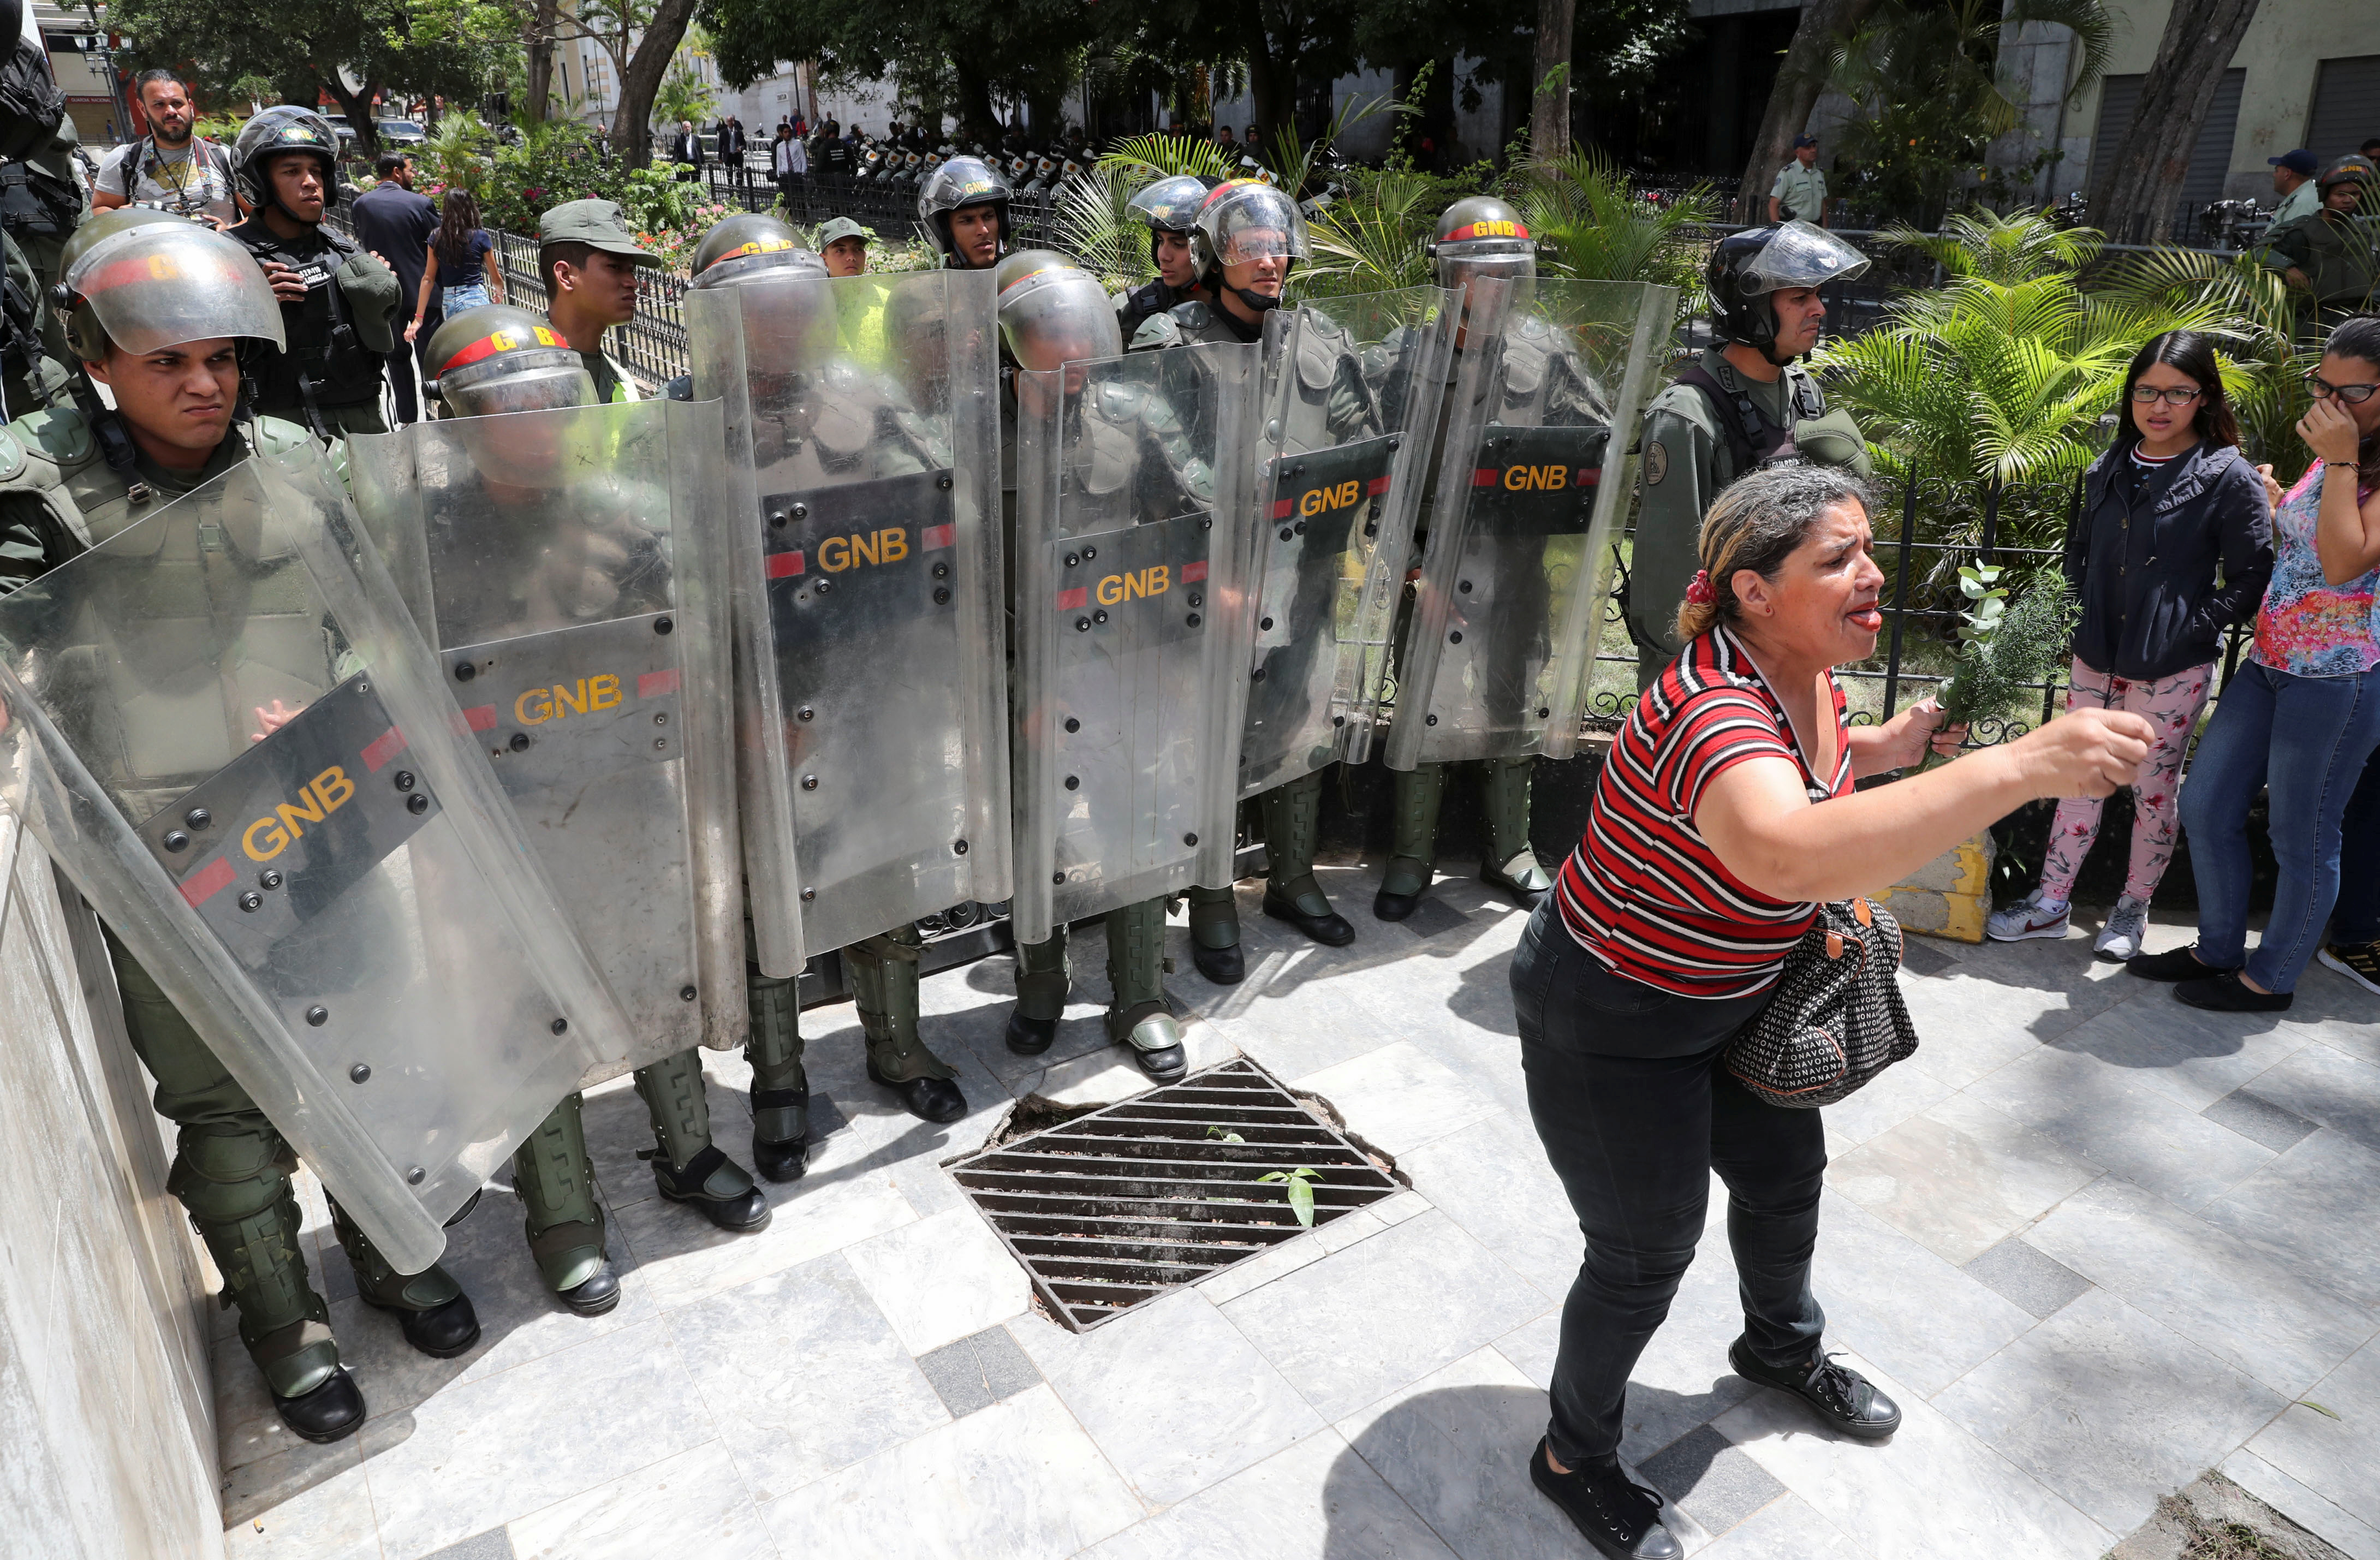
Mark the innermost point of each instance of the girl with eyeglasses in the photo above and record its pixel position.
(2172, 545)
(2302, 713)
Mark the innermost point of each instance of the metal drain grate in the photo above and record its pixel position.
(1112, 1209)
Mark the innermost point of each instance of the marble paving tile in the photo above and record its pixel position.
(802, 1374)
(493, 1545)
(1254, 1273)
(2259, 1121)
(1292, 1037)
(1491, 1178)
(1019, 1481)
(2185, 1053)
(2312, 1207)
(1959, 1176)
(1709, 1478)
(685, 1258)
(2048, 988)
(975, 1372)
(1901, 1305)
(941, 1278)
(1352, 1329)
(1786, 1529)
(1456, 1445)
(2247, 1307)
(2104, 1114)
(1315, 1501)
(2323, 1519)
(692, 1503)
(2020, 1273)
(2329, 1087)
(2110, 1408)
(1932, 1492)
(1402, 1206)
(481, 1453)
(1893, 1096)
(1337, 1235)
(1399, 1097)
(1172, 1394)
(1105, 1076)
(309, 1501)
(2334, 1458)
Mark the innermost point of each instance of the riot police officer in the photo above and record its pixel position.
(495, 359)
(1744, 402)
(1542, 381)
(963, 205)
(338, 303)
(1169, 207)
(169, 351)
(592, 266)
(821, 423)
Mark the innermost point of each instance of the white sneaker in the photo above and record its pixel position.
(2120, 939)
(2026, 918)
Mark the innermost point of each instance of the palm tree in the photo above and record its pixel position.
(1593, 226)
(1375, 237)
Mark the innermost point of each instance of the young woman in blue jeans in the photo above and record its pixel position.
(2300, 716)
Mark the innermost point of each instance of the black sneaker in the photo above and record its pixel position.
(1620, 1517)
(2173, 964)
(1842, 1397)
(2226, 993)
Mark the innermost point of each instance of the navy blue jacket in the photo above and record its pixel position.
(2143, 555)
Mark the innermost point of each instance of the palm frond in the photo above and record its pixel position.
(1162, 155)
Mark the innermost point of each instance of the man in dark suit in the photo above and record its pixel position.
(732, 146)
(397, 225)
(686, 147)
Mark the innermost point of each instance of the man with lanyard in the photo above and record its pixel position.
(1168, 206)
(589, 260)
(1745, 402)
(1800, 192)
(338, 302)
(169, 168)
(75, 481)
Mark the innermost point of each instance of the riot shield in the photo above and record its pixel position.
(223, 725)
(1501, 647)
(1130, 472)
(862, 415)
(1351, 392)
(569, 566)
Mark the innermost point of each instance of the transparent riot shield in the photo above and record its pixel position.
(569, 566)
(1552, 376)
(1351, 392)
(223, 725)
(1130, 472)
(863, 417)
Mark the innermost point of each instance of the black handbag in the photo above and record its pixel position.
(1837, 1018)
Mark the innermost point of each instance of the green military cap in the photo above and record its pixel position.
(843, 227)
(598, 223)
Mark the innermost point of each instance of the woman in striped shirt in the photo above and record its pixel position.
(1725, 812)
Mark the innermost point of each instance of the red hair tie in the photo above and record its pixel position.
(1700, 592)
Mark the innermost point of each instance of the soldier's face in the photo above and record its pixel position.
(1800, 314)
(846, 257)
(2344, 195)
(297, 180)
(180, 397)
(1173, 262)
(974, 234)
(1262, 275)
(607, 286)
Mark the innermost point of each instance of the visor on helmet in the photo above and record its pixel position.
(515, 369)
(1245, 222)
(1800, 255)
(1054, 314)
(162, 283)
(1171, 203)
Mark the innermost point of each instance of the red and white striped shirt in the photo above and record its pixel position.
(1644, 892)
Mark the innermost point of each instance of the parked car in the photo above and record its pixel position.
(346, 131)
(398, 132)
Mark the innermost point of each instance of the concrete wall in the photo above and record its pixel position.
(107, 1436)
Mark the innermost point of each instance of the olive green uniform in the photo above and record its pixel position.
(231, 1167)
(2337, 257)
(329, 375)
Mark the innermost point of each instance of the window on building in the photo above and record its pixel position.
(2210, 159)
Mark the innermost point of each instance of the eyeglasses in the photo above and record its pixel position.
(2353, 395)
(2149, 395)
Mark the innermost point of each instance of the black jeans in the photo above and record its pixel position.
(1636, 1111)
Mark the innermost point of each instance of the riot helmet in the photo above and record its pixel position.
(1244, 220)
(498, 358)
(286, 129)
(145, 279)
(1170, 205)
(961, 181)
(1052, 312)
(751, 246)
(2349, 169)
(1481, 235)
(1744, 268)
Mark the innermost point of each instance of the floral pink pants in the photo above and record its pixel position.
(2169, 704)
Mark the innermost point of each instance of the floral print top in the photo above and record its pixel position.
(2308, 627)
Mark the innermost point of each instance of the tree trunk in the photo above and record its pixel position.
(2200, 38)
(1799, 81)
(1549, 115)
(1272, 74)
(541, 61)
(640, 82)
(976, 120)
(356, 107)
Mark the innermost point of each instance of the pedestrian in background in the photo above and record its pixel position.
(2293, 174)
(2170, 507)
(2354, 946)
(789, 164)
(686, 147)
(396, 224)
(460, 270)
(1800, 190)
